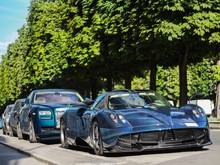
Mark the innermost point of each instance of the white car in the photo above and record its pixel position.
(206, 104)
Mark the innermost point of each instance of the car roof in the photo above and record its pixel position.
(21, 100)
(119, 91)
(10, 105)
(128, 91)
(53, 90)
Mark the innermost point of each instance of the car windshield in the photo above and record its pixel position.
(8, 110)
(125, 100)
(153, 99)
(57, 98)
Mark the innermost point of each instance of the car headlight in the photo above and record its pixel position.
(122, 119)
(114, 118)
(117, 118)
(201, 111)
(198, 112)
(45, 114)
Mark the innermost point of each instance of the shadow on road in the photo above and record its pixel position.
(153, 152)
(10, 156)
(50, 142)
(124, 154)
(81, 149)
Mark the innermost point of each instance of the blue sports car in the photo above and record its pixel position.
(126, 121)
(40, 116)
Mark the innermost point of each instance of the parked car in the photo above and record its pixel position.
(14, 117)
(206, 104)
(5, 119)
(214, 112)
(1, 125)
(40, 116)
(126, 121)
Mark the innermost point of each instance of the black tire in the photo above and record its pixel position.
(199, 148)
(97, 139)
(19, 132)
(3, 130)
(32, 135)
(10, 131)
(63, 137)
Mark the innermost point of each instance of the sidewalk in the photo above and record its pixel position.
(53, 154)
(214, 124)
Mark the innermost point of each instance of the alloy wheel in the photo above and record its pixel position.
(64, 142)
(19, 133)
(96, 139)
(32, 136)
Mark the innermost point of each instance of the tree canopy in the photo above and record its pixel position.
(92, 45)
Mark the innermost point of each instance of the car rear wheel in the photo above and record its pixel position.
(32, 135)
(97, 139)
(19, 132)
(63, 137)
(10, 131)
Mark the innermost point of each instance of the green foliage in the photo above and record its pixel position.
(69, 40)
(202, 78)
(140, 82)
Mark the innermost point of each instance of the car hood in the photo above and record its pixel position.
(57, 106)
(147, 118)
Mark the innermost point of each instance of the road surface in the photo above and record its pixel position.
(9, 156)
(52, 152)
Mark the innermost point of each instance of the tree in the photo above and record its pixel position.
(188, 25)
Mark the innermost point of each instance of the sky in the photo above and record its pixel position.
(13, 14)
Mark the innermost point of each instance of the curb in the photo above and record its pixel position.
(214, 127)
(39, 158)
(214, 124)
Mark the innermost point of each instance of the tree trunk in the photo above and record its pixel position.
(94, 89)
(217, 107)
(217, 102)
(153, 76)
(109, 83)
(183, 77)
(128, 82)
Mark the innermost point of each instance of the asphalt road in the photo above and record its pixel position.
(209, 156)
(52, 152)
(9, 156)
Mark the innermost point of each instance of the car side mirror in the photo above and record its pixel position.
(80, 111)
(88, 101)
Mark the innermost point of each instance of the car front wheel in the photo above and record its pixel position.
(97, 139)
(32, 135)
(19, 132)
(63, 138)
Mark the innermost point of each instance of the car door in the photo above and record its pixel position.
(14, 116)
(24, 118)
(90, 113)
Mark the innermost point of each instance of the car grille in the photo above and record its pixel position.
(166, 137)
(59, 113)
